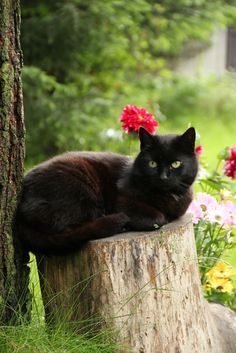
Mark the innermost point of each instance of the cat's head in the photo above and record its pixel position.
(166, 162)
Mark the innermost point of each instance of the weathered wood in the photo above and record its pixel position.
(144, 285)
(224, 320)
(13, 272)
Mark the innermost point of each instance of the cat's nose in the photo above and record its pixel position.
(164, 176)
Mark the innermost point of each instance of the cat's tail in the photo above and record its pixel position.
(52, 243)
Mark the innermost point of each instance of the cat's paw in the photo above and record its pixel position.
(147, 224)
(122, 221)
(112, 224)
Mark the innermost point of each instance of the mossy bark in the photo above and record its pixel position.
(13, 272)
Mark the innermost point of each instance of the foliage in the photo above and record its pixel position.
(96, 37)
(86, 60)
(59, 119)
(69, 120)
(63, 336)
(93, 37)
(47, 104)
(214, 217)
(35, 337)
(99, 36)
(220, 284)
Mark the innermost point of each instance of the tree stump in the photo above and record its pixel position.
(145, 285)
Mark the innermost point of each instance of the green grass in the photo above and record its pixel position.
(62, 337)
(36, 338)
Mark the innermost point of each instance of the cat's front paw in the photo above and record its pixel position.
(122, 221)
(147, 223)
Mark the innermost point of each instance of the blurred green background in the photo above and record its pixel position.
(84, 60)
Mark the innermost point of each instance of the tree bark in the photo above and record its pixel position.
(144, 285)
(13, 273)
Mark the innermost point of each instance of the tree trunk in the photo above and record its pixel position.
(13, 273)
(144, 285)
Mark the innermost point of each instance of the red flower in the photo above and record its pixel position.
(230, 164)
(133, 117)
(199, 150)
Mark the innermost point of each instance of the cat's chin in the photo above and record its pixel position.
(172, 189)
(163, 188)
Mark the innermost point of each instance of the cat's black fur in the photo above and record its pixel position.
(79, 196)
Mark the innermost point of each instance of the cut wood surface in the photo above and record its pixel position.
(144, 285)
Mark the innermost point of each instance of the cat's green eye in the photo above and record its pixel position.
(176, 164)
(152, 164)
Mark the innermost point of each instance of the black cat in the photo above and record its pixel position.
(79, 196)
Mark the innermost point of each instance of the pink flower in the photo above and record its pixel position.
(206, 207)
(196, 211)
(230, 219)
(201, 206)
(230, 164)
(205, 201)
(217, 214)
(133, 117)
(199, 150)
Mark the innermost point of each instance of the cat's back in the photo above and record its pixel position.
(76, 161)
(67, 184)
(88, 168)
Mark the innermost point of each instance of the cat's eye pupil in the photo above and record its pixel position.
(152, 164)
(176, 164)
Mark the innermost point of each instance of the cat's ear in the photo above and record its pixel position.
(146, 139)
(189, 137)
